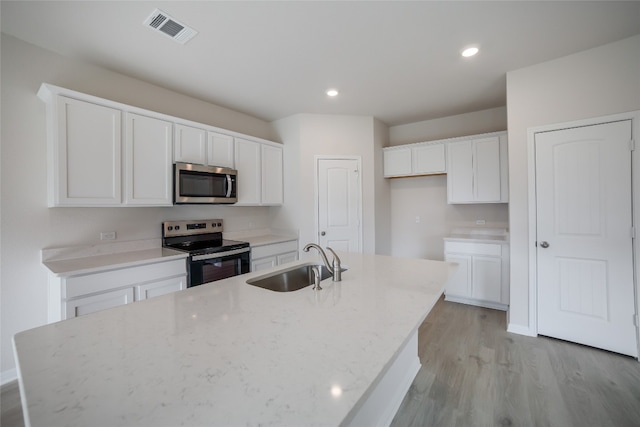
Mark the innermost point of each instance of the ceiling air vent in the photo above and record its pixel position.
(160, 21)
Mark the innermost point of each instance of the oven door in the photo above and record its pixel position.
(211, 267)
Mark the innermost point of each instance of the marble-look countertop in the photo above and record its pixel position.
(478, 235)
(228, 353)
(262, 237)
(107, 261)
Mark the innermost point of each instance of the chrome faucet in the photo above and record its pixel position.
(335, 268)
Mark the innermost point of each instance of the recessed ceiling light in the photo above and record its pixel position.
(469, 52)
(332, 92)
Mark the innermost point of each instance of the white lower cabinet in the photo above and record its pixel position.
(482, 277)
(86, 305)
(74, 296)
(267, 256)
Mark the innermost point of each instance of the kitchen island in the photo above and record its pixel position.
(228, 353)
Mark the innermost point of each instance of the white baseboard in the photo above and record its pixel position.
(479, 303)
(8, 376)
(521, 330)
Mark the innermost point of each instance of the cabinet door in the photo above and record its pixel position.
(220, 150)
(487, 169)
(272, 184)
(397, 162)
(247, 156)
(190, 145)
(288, 257)
(459, 283)
(263, 263)
(460, 172)
(429, 159)
(91, 304)
(487, 278)
(161, 287)
(148, 174)
(86, 155)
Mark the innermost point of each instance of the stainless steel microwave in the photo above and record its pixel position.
(199, 184)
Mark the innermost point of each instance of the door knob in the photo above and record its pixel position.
(322, 233)
(544, 244)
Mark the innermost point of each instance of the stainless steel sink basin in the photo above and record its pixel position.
(291, 279)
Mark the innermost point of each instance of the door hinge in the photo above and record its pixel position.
(632, 144)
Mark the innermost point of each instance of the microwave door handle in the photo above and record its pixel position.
(229, 185)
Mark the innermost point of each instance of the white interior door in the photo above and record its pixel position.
(584, 244)
(339, 204)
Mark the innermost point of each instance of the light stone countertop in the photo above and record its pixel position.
(478, 235)
(104, 262)
(228, 353)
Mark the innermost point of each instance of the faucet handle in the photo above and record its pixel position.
(335, 256)
(337, 270)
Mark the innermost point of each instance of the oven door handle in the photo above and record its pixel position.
(220, 254)
(229, 186)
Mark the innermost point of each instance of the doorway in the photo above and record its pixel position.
(339, 203)
(585, 290)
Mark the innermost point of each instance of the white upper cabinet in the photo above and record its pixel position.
(397, 162)
(272, 182)
(84, 153)
(104, 153)
(248, 165)
(426, 158)
(190, 145)
(148, 161)
(477, 170)
(220, 150)
(260, 179)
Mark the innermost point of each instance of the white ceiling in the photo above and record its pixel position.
(398, 61)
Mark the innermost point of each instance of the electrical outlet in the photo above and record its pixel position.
(108, 235)
(480, 222)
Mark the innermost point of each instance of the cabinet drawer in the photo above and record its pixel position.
(91, 304)
(98, 282)
(473, 248)
(274, 249)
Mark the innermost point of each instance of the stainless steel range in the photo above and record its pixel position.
(210, 256)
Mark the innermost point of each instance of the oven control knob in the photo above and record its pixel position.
(219, 224)
(170, 228)
(177, 227)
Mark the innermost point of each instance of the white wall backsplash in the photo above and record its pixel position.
(426, 198)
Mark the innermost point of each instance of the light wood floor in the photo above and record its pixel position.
(474, 373)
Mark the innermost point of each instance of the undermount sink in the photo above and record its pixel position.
(291, 279)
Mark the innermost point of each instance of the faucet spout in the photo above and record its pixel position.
(322, 254)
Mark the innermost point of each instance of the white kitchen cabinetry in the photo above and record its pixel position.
(190, 145)
(267, 256)
(477, 170)
(87, 140)
(148, 161)
(260, 178)
(72, 296)
(425, 158)
(84, 153)
(482, 274)
(272, 178)
(220, 150)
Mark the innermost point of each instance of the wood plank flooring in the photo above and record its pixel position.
(474, 373)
